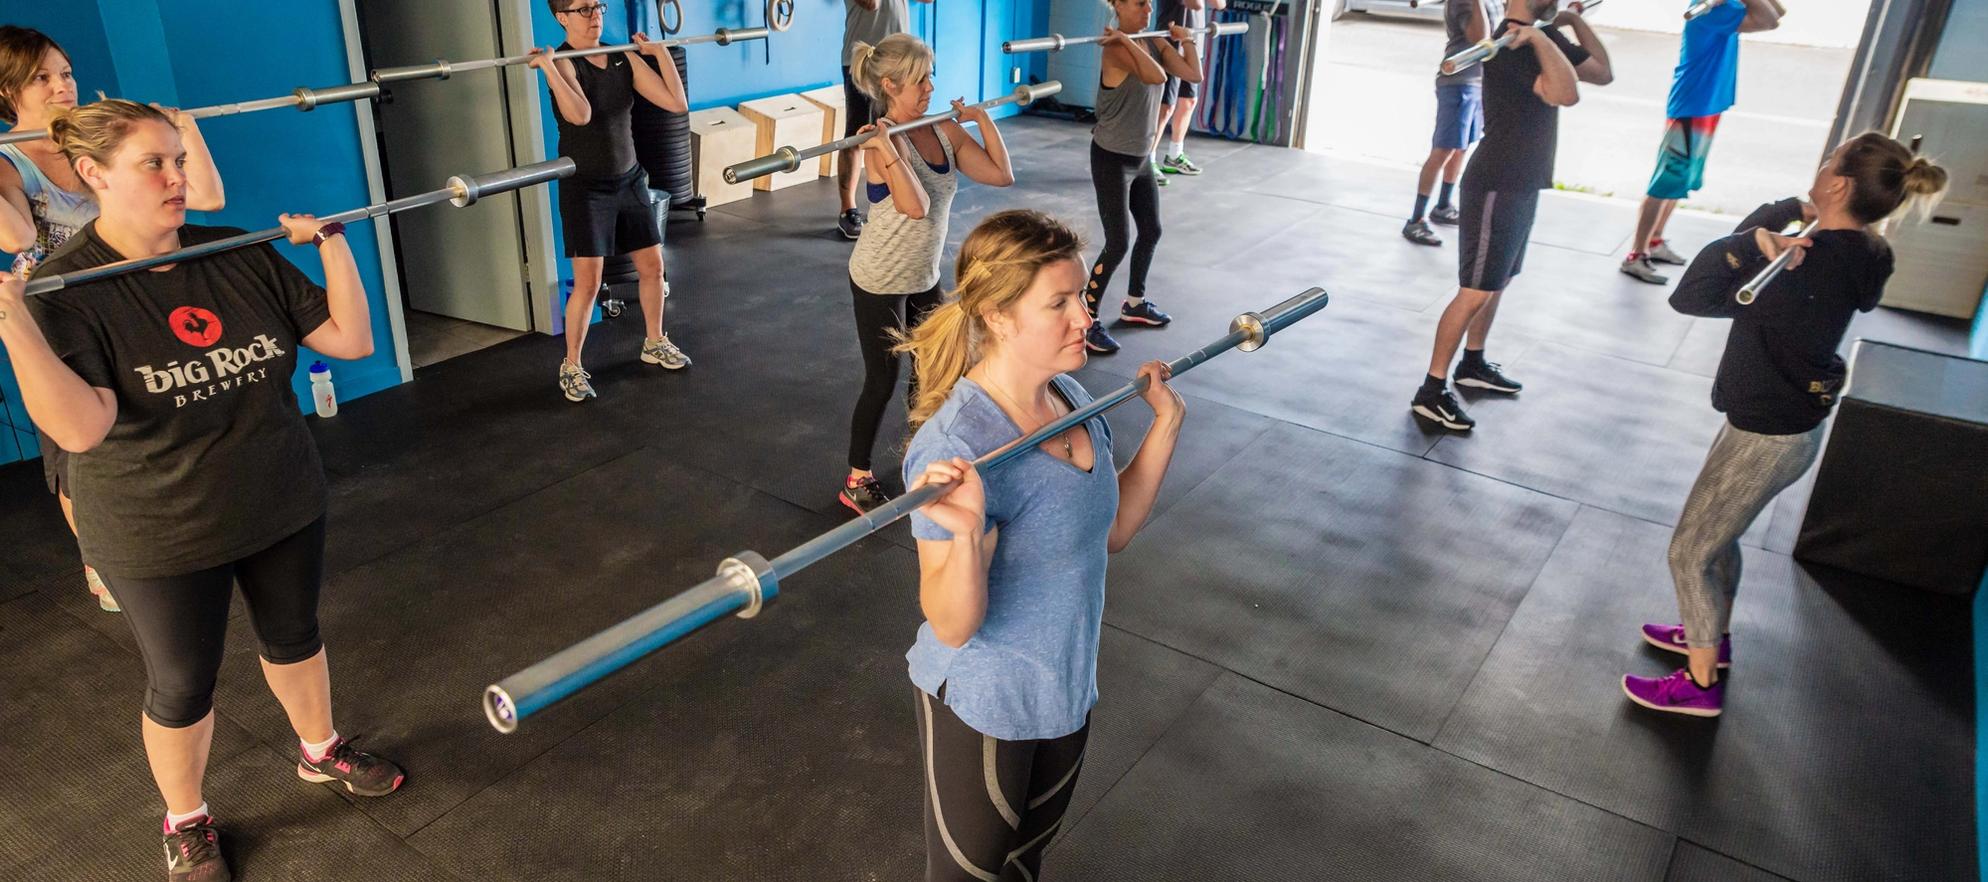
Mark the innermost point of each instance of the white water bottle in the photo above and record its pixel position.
(321, 393)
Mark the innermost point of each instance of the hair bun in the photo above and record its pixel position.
(1923, 178)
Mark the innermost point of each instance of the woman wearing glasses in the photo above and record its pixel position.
(604, 207)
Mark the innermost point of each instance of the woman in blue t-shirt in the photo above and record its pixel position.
(1013, 563)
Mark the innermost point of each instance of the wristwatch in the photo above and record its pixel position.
(327, 231)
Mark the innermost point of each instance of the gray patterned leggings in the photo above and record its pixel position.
(1742, 474)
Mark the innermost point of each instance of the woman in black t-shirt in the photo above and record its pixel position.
(1777, 382)
(190, 464)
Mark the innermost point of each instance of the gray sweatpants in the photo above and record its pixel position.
(1742, 474)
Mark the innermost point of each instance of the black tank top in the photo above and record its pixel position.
(603, 148)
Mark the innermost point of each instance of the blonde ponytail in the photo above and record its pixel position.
(997, 264)
(96, 130)
(900, 58)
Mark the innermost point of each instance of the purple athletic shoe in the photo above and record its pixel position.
(1675, 694)
(1670, 638)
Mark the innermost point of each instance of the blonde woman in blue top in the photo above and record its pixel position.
(43, 202)
(1012, 564)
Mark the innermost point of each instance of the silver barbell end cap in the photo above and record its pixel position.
(466, 194)
(1252, 324)
(1745, 296)
(750, 572)
(499, 709)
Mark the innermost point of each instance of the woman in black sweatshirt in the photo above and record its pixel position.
(1776, 383)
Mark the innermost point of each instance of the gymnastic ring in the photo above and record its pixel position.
(780, 14)
(663, 14)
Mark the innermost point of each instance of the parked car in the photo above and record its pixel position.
(1413, 8)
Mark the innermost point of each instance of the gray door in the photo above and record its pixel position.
(466, 263)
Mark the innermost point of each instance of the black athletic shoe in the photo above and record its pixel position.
(1144, 314)
(864, 496)
(1098, 340)
(1440, 407)
(1447, 215)
(362, 773)
(1486, 375)
(193, 853)
(851, 224)
(1419, 233)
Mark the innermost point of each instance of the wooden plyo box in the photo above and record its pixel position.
(720, 136)
(785, 121)
(833, 111)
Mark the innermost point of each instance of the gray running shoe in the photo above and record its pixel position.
(1660, 253)
(1419, 233)
(573, 382)
(661, 351)
(1639, 268)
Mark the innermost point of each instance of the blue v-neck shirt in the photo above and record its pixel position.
(1030, 672)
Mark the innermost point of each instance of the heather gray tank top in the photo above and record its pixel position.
(1128, 113)
(898, 254)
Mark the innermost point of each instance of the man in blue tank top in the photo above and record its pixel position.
(1701, 89)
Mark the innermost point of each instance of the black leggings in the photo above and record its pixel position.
(181, 622)
(877, 315)
(991, 806)
(1123, 182)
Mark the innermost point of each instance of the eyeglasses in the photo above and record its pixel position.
(595, 11)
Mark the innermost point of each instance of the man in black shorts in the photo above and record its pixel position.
(1177, 102)
(1524, 88)
(604, 208)
(866, 21)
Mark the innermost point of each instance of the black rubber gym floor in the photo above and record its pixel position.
(1347, 647)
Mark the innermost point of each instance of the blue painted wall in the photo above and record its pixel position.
(197, 52)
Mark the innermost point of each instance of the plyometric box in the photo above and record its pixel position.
(834, 110)
(720, 136)
(785, 121)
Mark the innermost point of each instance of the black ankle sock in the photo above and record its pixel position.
(1473, 358)
(1421, 206)
(1443, 201)
(1432, 383)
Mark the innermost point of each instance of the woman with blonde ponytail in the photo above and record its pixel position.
(191, 465)
(1012, 564)
(1776, 384)
(894, 270)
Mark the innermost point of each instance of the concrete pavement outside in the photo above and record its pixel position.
(1376, 100)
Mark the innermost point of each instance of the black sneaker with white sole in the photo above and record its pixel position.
(1447, 215)
(1486, 375)
(1440, 407)
(851, 224)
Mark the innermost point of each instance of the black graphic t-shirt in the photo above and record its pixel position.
(210, 459)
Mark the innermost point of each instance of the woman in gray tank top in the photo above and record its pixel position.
(1131, 80)
(43, 202)
(894, 271)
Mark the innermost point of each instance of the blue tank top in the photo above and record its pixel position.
(58, 213)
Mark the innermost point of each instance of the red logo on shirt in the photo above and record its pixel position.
(195, 326)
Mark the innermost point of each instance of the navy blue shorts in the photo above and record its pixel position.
(1459, 116)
